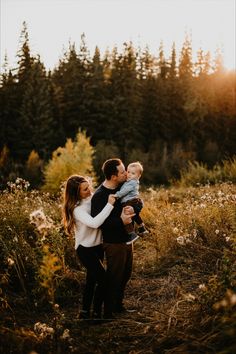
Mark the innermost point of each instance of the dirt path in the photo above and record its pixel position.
(156, 324)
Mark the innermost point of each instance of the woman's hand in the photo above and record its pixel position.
(112, 199)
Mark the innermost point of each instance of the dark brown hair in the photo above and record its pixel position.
(71, 199)
(109, 168)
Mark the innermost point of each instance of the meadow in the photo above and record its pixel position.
(183, 287)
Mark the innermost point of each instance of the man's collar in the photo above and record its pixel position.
(109, 185)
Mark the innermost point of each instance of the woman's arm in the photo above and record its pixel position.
(83, 216)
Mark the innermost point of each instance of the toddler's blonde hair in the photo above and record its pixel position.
(138, 165)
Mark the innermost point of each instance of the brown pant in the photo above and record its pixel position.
(119, 258)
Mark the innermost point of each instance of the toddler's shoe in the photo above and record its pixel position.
(142, 231)
(132, 236)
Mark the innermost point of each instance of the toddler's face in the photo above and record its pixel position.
(133, 173)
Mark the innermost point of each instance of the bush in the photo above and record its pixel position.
(33, 171)
(31, 221)
(198, 173)
(75, 158)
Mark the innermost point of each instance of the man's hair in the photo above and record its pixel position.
(138, 165)
(109, 168)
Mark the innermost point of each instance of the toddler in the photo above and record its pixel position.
(129, 195)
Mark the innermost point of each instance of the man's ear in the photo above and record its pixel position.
(113, 178)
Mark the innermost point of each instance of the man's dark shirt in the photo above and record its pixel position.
(113, 230)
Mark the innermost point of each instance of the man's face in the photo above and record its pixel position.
(121, 176)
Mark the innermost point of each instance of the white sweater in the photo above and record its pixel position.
(87, 233)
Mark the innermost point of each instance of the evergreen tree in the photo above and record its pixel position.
(203, 65)
(148, 88)
(71, 79)
(9, 115)
(173, 69)
(125, 93)
(218, 63)
(162, 64)
(18, 130)
(25, 60)
(96, 103)
(36, 114)
(185, 63)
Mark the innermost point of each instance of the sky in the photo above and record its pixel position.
(52, 24)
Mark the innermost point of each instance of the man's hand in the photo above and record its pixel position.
(127, 214)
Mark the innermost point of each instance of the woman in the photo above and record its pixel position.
(88, 239)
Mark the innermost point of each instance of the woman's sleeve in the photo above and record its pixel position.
(83, 216)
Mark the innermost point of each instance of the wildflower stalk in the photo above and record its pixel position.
(20, 270)
(47, 272)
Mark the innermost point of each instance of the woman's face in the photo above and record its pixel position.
(85, 190)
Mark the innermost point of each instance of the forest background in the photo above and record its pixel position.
(168, 113)
(131, 104)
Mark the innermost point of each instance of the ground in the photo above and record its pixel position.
(163, 304)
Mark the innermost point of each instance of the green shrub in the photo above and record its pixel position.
(198, 173)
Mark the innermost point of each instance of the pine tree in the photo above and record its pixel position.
(25, 60)
(185, 63)
(173, 69)
(36, 114)
(96, 103)
(125, 94)
(219, 62)
(71, 80)
(9, 103)
(148, 87)
(25, 63)
(162, 64)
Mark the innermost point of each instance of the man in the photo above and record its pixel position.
(119, 255)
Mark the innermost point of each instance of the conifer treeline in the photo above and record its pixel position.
(132, 104)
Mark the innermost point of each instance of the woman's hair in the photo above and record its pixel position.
(71, 198)
(109, 168)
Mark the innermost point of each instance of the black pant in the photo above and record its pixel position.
(92, 260)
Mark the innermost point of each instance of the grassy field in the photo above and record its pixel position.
(182, 291)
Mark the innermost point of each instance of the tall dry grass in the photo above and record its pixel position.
(186, 265)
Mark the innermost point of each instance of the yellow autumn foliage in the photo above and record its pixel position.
(47, 272)
(75, 158)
